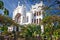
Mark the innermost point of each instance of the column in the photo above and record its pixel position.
(42, 27)
(38, 21)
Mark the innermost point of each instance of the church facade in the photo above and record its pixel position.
(35, 15)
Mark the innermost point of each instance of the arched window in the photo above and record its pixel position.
(35, 14)
(39, 20)
(27, 19)
(34, 20)
(39, 12)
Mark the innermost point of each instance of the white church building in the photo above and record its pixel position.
(35, 15)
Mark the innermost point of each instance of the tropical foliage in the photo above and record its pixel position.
(52, 26)
(5, 21)
(6, 12)
(30, 31)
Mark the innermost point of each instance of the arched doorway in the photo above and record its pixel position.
(17, 17)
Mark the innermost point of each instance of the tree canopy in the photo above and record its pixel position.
(6, 12)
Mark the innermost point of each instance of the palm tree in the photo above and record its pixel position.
(47, 13)
(6, 21)
(6, 12)
(51, 7)
(1, 5)
(50, 23)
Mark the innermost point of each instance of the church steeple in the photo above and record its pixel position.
(18, 3)
(42, 3)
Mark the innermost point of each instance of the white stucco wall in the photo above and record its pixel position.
(29, 15)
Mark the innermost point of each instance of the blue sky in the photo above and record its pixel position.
(12, 4)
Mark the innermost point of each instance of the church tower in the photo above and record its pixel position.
(19, 14)
(37, 11)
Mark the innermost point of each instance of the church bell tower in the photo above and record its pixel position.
(19, 14)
